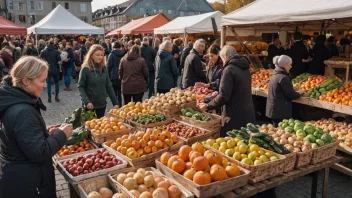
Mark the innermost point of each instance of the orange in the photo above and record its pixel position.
(217, 173)
(165, 157)
(159, 144)
(115, 128)
(147, 150)
(142, 143)
(184, 152)
(202, 178)
(200, 163)
(178, 166)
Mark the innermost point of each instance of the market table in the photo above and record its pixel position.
(252, 189)
(332, 65)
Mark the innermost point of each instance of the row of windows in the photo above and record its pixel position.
(21, 5)
(22, 19)
(155, 11)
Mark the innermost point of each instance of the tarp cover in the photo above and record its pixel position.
(144, 25)
(191, 24)
(278, 11)
(61, 21)
(8, 27)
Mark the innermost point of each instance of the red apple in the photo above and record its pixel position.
(79, 169)
(86, 166)
(103, 162)
(105, 154)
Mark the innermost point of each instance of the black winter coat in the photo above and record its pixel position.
(148, 54)
(280, 95)
(26, 149)
(272, 52)
(193, 70)
(184, 55)
(333, 50)
(320, 54)
(297, 52)
(71, 58)
(214, 75)
(52, 56)
(235, 95)
(166, 70)
(114, 63)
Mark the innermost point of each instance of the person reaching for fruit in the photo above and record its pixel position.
(281, 91)
(26, 145)
(94, 82)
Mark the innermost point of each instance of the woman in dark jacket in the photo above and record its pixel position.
(320, 54)
(166, 69)
(134, 74)
(26, 146)
(214, 69)
(94, 84)
(281, 92)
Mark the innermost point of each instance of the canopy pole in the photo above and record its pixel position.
(36, 40)
(223, 35)
(185, 37)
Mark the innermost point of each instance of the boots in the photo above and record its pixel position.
(49, 100)
(57, 99)
(68, 88)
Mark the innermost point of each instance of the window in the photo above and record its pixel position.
(32, 19)
(67, 6)
(32, 5)
(83, 7)
(141, 10)
(154, 11)
(191, 13)
(169, 11)
(40, 5)
(22, 18)
(84, 19)
(53, 5)
(182, 13)
(160, 11)
(20, 6)
(10, 2)
(120, 18)
(147, 4)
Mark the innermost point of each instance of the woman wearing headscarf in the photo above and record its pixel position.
(281, 91)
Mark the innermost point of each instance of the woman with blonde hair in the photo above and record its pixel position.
(27, 145)
(94, 84)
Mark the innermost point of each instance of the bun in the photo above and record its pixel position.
(276, 60)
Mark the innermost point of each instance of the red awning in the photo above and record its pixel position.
(8, 27)
(144, 25)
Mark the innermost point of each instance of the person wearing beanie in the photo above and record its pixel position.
(281, 91)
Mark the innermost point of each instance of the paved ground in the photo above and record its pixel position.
(340, 186)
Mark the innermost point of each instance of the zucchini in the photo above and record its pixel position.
(252, 128)
(259, 135)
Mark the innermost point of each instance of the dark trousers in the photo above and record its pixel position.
(136, 97)
(162, 90)
(151, 83)
(49, 82)
(116, 85)
(100, 112)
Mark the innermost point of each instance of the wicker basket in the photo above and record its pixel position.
(101, 138)
(262, 171)
(325, 152)
(212, 125)
(94, 184)
(303, 158)
(290, 161)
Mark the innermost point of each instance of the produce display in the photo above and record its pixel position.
(342, 131)
(77, 148)
(143, 143)
(200, 165)
(174, 97)
(147, 184)
(89, 163)
(190, 113)
(265, 87)
(342, 95)
(331, 83)
(336, 58)
(149, 119)
(251, 134)
(299, 79)
(133, 109)
(105, 193)
(250, 154)
(184, 131)
(315, 135)
(203, 94)
(312, 82)
(105, 125)
(260, 77)
(291, 141)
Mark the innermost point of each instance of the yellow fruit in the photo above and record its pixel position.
(247, 161)
(215, 146)
(274, 158)
(263, 158)
(132, 154)
(237, 156)
(242, 148)
(223, 144)
(231, 143)
(254, 147)
(244, 156)
(257, 162)
(220, 140)
(252, 155)
(222, 149)
(229, 152)
(210, 142)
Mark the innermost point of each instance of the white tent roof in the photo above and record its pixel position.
(61, 21)
(283, 11)
(191, 24)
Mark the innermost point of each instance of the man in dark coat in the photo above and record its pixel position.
(299, 55)
(114, 60)
(166, 69)
(333, 50)
(274, 50)
(68, 65)
(52, 56)
(235, 95)
(26, 148)
(320, 54)
(193, 69)
(149, 56)
(184, 55)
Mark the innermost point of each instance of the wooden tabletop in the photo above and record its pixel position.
(252, 189)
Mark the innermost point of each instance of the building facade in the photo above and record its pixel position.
(28, 12)
(117, 16)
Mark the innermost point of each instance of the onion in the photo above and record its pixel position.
(296, 150)
(283, 141)
(297, 144)
(277, 139)
(306, 143)
(305, 149)
(275, 135)
(291, 140)
(290, 147)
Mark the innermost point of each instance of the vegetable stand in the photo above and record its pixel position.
(332, 65)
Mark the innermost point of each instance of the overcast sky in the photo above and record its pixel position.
(98, 4)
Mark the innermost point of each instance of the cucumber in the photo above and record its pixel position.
(277, 149)
(252, 128)
(259, 135)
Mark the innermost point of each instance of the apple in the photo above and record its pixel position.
(93, 168)
(98, 156)
(105, 154)
(98, 169)
(89, 161)
(107, 158)
(96, 161)
(85, 171)
(98, 151)
(80, 163)
(110, 163)
(75, 173)
(79, 169)
(103, 162)
(85, 166)
(71, 170)
(74, 166)
(79, 158)
(97, 165)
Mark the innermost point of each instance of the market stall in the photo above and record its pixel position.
(144, 25)
(8, 27)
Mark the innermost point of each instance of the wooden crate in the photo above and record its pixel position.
(89, 140)
(94, 184)
(116, 185)
(208, 190)
(211, 125)
(145, 160)
(143, 127)
(174, 110)
(101, 138)
(259, 172)
(74, 180)
(325, 152)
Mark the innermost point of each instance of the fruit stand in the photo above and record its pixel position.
(338, 63)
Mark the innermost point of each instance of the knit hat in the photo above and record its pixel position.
(282, 60)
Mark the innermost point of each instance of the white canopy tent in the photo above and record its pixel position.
(191, 24)
(60, 21)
